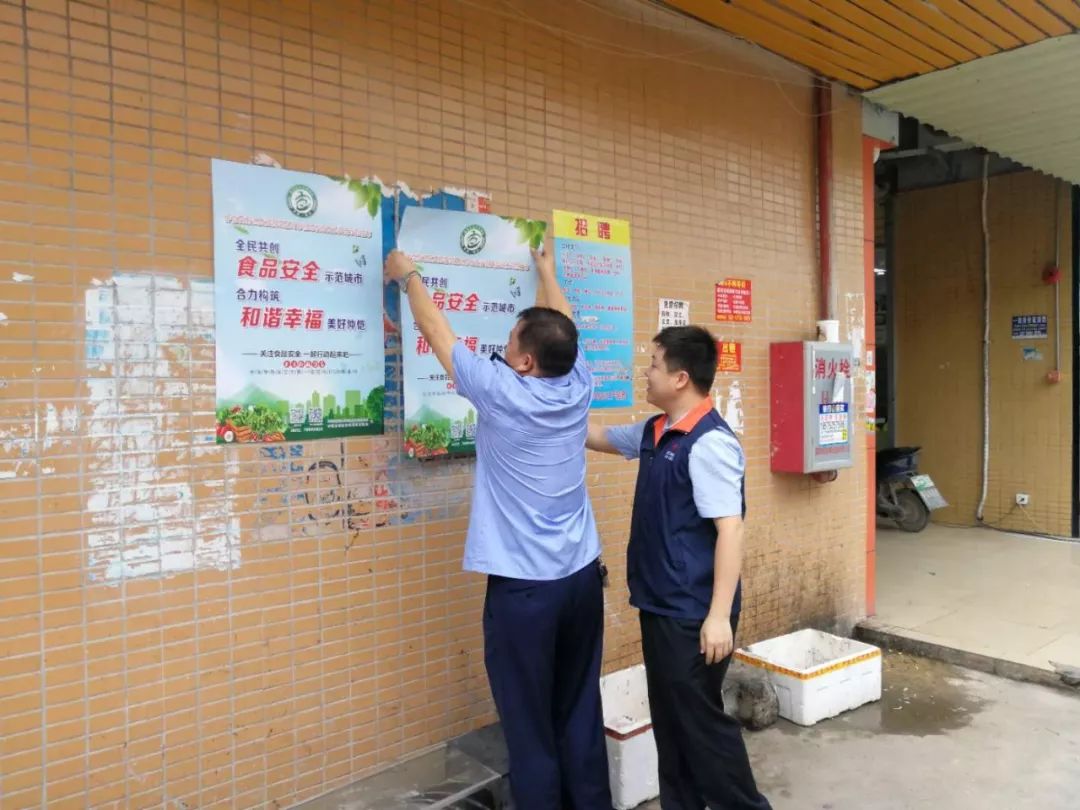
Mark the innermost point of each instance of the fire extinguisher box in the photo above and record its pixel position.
(811, 406)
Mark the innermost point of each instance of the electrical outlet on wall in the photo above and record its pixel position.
(1022, 499)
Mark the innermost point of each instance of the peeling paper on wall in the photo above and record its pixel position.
(730, 406)
(385, 190)
(141, 332)
(401, 187)
(23, 446)
(855, 313)
(58, 425)
(21, 277)
(52, 425)
(332, 492)
(263, 159)
(476, 202)
(100, 307)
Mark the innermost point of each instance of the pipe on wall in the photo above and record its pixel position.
(823, 115)
(981, 508)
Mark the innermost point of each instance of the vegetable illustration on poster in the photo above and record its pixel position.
(298, 302)
(479, 272)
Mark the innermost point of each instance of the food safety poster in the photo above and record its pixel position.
(298, 305)
(592, 259)
(479, 272)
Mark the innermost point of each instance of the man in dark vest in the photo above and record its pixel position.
(683, 566)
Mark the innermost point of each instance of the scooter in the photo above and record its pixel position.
(904, 495)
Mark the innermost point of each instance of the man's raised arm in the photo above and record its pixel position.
(548, 291)
(429, 319)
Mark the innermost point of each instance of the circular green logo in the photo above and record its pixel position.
(302, 201)
(473, 239)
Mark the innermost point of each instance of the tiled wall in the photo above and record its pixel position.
(187, 625)
(939, 339)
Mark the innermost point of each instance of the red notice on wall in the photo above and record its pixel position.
(733, 300)
(728, 356)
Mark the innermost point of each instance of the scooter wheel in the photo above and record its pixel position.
(914, 514)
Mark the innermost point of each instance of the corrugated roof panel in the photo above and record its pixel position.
(1023, 104)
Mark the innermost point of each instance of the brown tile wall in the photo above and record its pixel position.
(190, 625)
(939, 339)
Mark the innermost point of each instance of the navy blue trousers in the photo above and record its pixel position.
(543, 642)
(703, 759)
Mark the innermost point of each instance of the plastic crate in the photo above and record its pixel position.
(817, 675)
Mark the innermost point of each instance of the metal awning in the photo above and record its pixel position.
(1024, 104)
(1000, 74)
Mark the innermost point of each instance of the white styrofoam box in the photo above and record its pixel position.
(631, 747)
(817, 675)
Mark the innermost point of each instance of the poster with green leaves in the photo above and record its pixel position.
(480, 273)
(298, 304)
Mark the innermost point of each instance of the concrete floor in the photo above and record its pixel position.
(1004, 596)
(941, 737)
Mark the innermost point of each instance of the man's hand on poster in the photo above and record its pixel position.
(398, 266)
(717, 639)
(429, 319)
(545, 261)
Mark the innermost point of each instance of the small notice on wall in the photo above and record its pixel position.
(728, 356)
(1029, 327)
(832, 424)
(733, 300)
(673, 313)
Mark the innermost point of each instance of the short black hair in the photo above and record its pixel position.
(691, 349)
(551, 338)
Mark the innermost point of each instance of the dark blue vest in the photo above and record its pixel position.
(670, 558)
